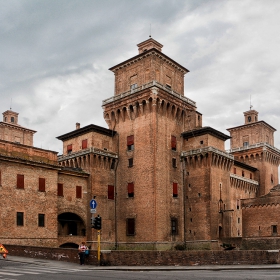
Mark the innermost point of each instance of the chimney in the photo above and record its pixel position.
(77, 125)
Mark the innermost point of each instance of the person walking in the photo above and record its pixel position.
(82, 252)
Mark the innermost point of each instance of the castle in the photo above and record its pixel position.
(159, 177)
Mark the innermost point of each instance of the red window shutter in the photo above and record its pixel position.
(173, 142)
(69, 147)
(234, 170)
(42, 184)
(130, 188)
(175, 189)
(130, 140)
(250, 175)
(20, 181)
(78, 192)
(60, 189)
(84, 144)
(110, 192)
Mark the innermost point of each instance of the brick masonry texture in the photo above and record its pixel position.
(173, 185)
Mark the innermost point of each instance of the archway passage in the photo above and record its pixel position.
(70, 224)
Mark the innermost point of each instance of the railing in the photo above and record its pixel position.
(244, 179)
(205, 150)
(148, 85)
(87, 151)
(257, 145)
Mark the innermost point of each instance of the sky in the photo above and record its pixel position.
(55, 57)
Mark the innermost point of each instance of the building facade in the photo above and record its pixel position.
(159, 177)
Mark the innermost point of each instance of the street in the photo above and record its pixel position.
(41, 269)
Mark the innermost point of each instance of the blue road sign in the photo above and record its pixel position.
(93, 204)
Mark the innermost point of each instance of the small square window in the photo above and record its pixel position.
(274, 230)
(78, 192)
(174, 226)
(130, 226)
(173, 143)
(69, 149)
(130, 162)
(130, 189)
(20, 217)
(20, 181)
(42, 184)
(174, 163)
(134, 86)
(111, 192)
(201, 142)
(175, 189)
(41, 220)
(60, 189)
(130, 143)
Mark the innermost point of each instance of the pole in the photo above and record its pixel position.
(98, 246)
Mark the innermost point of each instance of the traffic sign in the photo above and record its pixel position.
(92, 211)
(93, 204)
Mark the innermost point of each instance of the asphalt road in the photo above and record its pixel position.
(40, 269)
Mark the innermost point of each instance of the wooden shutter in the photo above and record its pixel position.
(130, 140)
(42, 184)
(130, 226)
(175, 189)
(84, 144)
(173, 142)
(20, 181)
(130, 188)
(69, 147)
(78, 192)
(111, 192)
(60, 189)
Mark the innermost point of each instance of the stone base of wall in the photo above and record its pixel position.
(151, 258)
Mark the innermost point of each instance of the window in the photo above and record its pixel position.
(174, 163)
(173, 143)
(243, 174)
(60, 189)
(271, 178)
(20, 181)
(130, 162)
(175, 189)
(113, 164)
(238, 220)
(130, 226)
(174, 226)
(69, 149)
(41, 220)
(130, 143)
(19, 218)
(201, 142)
(12, 119)
(78, 192)
(274, 229)
(84, 144)
(251, 176)
(134, 86)
(245, 144)
(130, 189)
(111, 192)
(238, 204)
(234, 170)
(42, 184)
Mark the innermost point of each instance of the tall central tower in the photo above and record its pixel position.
(149, 112)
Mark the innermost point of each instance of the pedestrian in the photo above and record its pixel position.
(82, 252)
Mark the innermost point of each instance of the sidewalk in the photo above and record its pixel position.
(138, 268)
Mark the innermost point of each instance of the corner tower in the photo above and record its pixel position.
(149, 112)
(253, 144)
